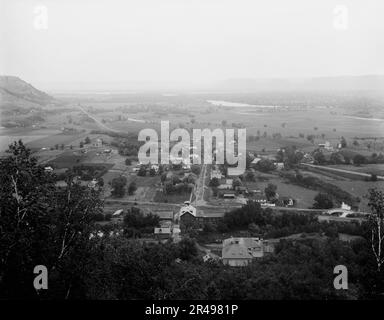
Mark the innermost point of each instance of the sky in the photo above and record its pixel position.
(72, 44)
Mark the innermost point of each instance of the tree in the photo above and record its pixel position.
(132, 188)
(87, 140)
(373, 177)
(195, 168)
(152, 172)
(163, 177)
(187, 249)
(270, 191)
(359, 159)
(100, 182)
(337, 158)
(42, 224)
(323, 201)
(81, 144)
(142, 171)
(376, 223)
(118, 186)
(250, 176)
(311, 138)
(135, 219)
(236, 183)
(265, 165)
(319, 157)
(343, 142)
(214, 182)
(128, 162)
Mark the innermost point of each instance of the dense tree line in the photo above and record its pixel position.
(303, 269)
(42, 225)
(272, 225)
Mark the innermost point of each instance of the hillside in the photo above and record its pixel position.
(16, 93)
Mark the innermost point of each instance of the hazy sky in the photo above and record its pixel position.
(187, 41)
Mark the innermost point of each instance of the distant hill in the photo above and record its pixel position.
(340, 83)
(16, 93)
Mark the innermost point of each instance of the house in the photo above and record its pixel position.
(98, 143)
(239, 252)
(165, 215)
(307, 158)
(117, 213)
(242, 200)
(279, 165)
(230, 195)
(48, 169)
(241, 189)
(216, 174)
(163, 233)
(268, 204)
(93, 184)
(225, 186)
(260, 198)
(155, 167)
(326, 145)
(255, 161)
(345, 206)
(287, 201)
(210, 257)
(187, 213)
(235, 172)
(256, 191)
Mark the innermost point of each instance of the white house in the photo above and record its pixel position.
(98, 143)
(255, 161)
(238, 252)
(344, 206)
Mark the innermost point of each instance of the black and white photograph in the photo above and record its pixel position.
(207, 151)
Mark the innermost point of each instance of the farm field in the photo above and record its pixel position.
(331, 121)
(303, 196)
(8, 136)
(272, 145)
(171, 198)
(359, 189)
(146, 188)
(51, 140)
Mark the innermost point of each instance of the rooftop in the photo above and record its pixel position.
(242, 248)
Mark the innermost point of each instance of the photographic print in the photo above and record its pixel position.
(208, 151)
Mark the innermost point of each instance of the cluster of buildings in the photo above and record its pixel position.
(236, 252)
